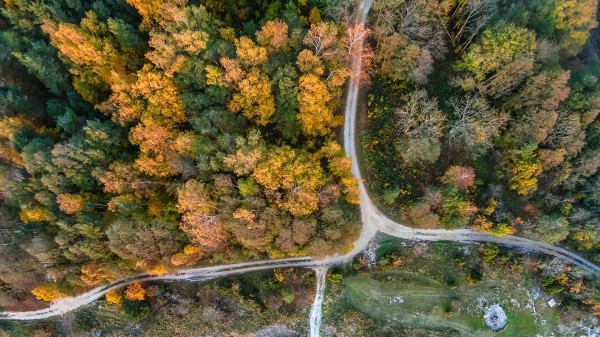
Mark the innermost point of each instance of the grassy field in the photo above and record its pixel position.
(412, 300)
(430, 293)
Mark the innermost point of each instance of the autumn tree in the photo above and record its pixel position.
(48, 292)
(274, 34)
(482, 224)
(498, 46)
(200, 219)
(249, 54)
(252, 234)
(71, 203)
(460, 177)
(502, 229)
(546, 90)
(113, 297)
(422, 216)
(296, 174)
(456, 209)
(250, 151)
(574, 19)
(254, 98)
(508, 78)
(94, 273)
(146, 242)
(308, 62)
(188, 256)
(94, 52)
(135, 292)
(322, 39)
(314, 102)
(524, 169)
(147, 9)
(356, 48)
(119, 178)
(476, 125)
(341, 166)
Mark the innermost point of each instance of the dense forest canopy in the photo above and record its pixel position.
(143, 136)
(484, 114)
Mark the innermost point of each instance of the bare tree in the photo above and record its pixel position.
(412, 22)
(420, 124)
(420, 116)
(567, 133)
(322, 38)
(356, 48)
(588, 164)
(340, 11)
(463, 22)
(580, 214)
(424, 67)
(354, 35)
(477, 124)
(508, 78)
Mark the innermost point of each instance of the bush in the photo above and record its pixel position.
(135, 309)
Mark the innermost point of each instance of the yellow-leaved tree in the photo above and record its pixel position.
(48, 292)
(254, 98)
(298, 175)
(113, 297)
(316, 114)
(524, 168)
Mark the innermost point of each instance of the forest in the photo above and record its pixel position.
(483, 114)
(489, 120)
(145, 136)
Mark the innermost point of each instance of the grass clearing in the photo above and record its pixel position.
(416, 301)
(431, 292)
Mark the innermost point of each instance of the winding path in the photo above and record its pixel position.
(372, 219)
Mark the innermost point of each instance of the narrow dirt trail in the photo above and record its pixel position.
(316, 312)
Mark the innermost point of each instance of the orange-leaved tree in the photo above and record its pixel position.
(135, 292)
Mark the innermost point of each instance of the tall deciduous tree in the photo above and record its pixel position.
(499, 46)
(476, 125)
(297, 175)
(200, 219)
(420, 124)
(315, 112)
(524, 169)
(274, 34)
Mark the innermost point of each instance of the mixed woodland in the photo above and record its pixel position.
(483, 114)
(145, 136)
